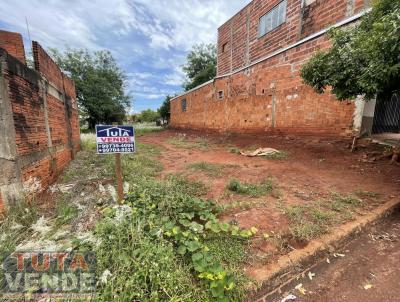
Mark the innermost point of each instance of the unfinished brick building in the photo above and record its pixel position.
(258, 87)
(38, 117)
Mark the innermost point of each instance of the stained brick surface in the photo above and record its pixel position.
(267, 97)
(13, 44)
(45, 116)
(46, 66)
(240, 37)
(270, 95)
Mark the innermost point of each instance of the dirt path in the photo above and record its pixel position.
(369, 271)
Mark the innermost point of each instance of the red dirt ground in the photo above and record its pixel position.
(315, 168)
(370, 259)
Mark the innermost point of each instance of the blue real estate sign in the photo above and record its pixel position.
(115, 139)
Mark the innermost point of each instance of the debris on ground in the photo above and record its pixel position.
(368, 286)
(260, 152)
(337, 255)
(301, 289)
(289, 298)
(41, 226)
(311, 275)
(384, 236)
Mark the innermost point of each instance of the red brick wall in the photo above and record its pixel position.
(251, 95)
(321, 14)
(28, 114)
(282, 36)
(13, 44)
(300, 22)
(270, 95)
(57, 121)
(69, 87)
(46, 66)
(45, 116)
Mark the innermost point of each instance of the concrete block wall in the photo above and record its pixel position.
(39, 121)
(260, 77)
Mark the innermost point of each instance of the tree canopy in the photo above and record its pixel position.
(100, 84)
(165, 109)
(148, 116)
(364, 59)
(201, 65)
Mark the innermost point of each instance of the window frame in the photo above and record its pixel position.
(224, 47)
(184, 105)
(269, 16)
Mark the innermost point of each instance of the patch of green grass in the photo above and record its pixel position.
(15, 228)
(253, 190)
(202, 143)
(277, 155)
(366, 194)
(144, 268)
(190, 187)
(144, 131)
(311, 221)
(209, 169)
(184, 143)
(340, 202)
(179, 141)
(234, 150)
(308, 222)
(308, 230)
(241, 205)
(88, 141)
(65, 211)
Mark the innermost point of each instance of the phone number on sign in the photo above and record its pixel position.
(128, 148)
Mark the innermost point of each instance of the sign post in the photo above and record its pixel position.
(116, 140)
(118, 172)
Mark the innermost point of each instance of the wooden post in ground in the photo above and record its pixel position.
(118, 172)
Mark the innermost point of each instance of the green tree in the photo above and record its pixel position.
(100, 84)
(201, 65)
(165, 109)
(364, 59)
(148, 116)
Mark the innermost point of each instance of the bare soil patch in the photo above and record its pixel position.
(313, 172)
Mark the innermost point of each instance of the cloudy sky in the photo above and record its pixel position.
(149, 38)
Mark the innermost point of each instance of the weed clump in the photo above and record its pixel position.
(210, 169)
(249, 189)
(184, 143)
(312, 221)
(169, 229)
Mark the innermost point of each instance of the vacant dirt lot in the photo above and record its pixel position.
(313, 185)
(368, 270)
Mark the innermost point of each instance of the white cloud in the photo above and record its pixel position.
(152, 34)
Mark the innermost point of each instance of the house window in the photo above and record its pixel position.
(221, 95)
(183, 105)
(272, 19)
(224, 47)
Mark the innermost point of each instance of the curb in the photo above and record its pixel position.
(275, 276)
